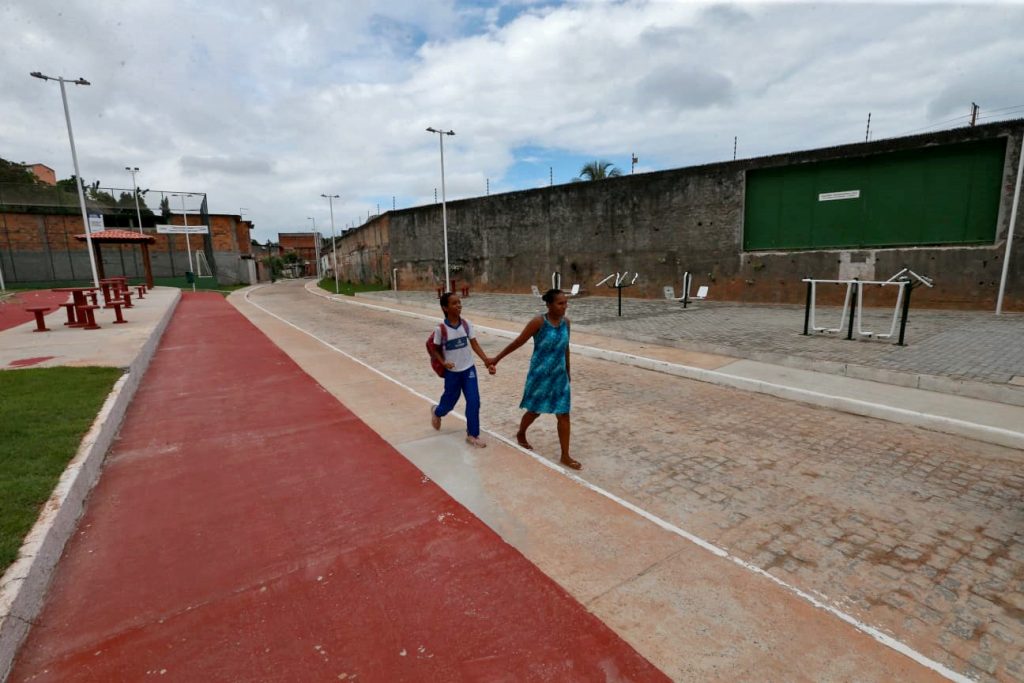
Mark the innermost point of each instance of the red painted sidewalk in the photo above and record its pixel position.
(12, 310)
(249, 527)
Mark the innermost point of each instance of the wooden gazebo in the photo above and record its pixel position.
(121, 237)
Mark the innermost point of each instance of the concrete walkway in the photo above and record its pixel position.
(910, 531)
(249, 527)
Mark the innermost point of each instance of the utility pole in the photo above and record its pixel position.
(867, 133)
(974, 113)
(488, 186)
(632, 166)
(734, 138)
(551, 175)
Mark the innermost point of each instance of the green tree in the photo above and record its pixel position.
(68, 184)
(165, 208)
(11, 172)
(598, 170)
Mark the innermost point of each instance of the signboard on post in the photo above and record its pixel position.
(96, 222)
(183, 229)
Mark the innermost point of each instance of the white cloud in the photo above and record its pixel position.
(268, 105)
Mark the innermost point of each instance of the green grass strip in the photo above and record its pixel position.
(349, 288)
(44, 413)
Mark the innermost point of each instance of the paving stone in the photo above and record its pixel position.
(735, 471)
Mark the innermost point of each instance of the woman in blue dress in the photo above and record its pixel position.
(547, 382)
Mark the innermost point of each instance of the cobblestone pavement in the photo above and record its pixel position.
(960, 345)
(914, 532)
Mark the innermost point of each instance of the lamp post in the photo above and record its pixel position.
(74, 160)
(135, 191)
(334, 241)
(316, 246)
(444, 207)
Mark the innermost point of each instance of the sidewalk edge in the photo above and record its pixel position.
(23, 586)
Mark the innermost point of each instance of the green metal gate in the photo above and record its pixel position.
(935, 195)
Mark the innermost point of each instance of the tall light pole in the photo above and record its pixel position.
(74, 160)
(334, 241)
(135, 191)
(316, 246)
(444, 207)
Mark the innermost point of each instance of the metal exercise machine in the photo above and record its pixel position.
(618, 281)
(851, 316)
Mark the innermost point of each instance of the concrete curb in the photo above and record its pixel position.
(24, 584)
(938, 423)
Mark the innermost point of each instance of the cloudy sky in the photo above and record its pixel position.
(267, 104)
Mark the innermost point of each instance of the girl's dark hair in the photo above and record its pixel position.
(549, 296)
(444, 300)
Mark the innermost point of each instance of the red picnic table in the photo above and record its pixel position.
(80, 313)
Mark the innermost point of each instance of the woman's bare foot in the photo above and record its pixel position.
(476, 441)
(570, 463)
(521, 440)
(435, 421)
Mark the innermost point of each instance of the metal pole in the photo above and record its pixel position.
(1009, 232)
(334, 241)
(78, 179)
(135, 191)
(444, 220)
(620, 299)
(316, 246)
(3, 288)
(188, 243)
(853, 309)
(906, 311)
(444, 206)
(807, 307)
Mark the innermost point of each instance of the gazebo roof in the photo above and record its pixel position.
(118, 236)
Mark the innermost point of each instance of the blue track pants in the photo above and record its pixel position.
(464, 383)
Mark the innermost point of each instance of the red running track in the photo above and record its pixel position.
(248, 527)
(12, 310)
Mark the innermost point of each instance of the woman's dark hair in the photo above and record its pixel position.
(549, 296)
(444, 300)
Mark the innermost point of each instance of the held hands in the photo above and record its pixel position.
(492, 365)
(449, 365)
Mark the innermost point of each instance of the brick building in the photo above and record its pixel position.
(37, 244)
(44, 173)
(303, 244)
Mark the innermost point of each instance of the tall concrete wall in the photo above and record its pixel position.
(666, 223)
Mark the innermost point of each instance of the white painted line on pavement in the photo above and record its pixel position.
(875, 633)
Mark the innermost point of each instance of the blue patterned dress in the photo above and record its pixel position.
(547, 382)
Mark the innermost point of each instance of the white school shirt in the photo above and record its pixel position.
(457, 349)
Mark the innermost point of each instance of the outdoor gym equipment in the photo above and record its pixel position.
(702, 291)
(851, 316)
(619, 283)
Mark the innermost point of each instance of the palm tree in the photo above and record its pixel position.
(597, 170)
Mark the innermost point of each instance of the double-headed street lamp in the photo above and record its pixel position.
(334, 242)
(74, 160)
(316, 246)
(135, 190)
(444, 208)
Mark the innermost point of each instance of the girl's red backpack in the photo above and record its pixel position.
(436, 365)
